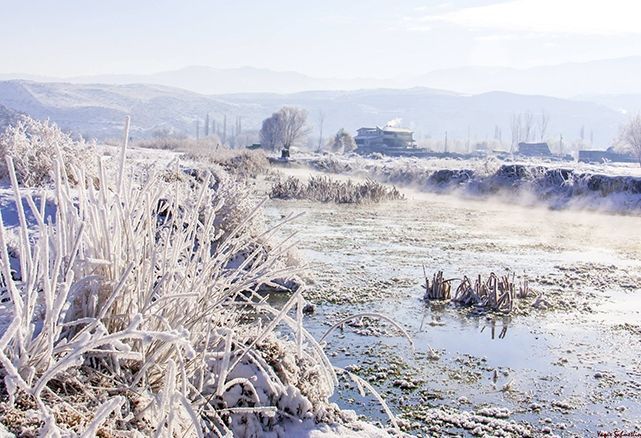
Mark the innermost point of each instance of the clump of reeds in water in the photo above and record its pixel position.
(440, 289)
(495, 294)
(326, 189)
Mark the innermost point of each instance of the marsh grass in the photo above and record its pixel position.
(326, 189)
(137, 311)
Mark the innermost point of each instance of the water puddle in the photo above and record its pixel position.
(572, 369)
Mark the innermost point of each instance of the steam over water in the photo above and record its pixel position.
(565, 367)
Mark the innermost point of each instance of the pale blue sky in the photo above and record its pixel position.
(334, 38)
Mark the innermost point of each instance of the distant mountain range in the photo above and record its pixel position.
(602, 77)
(98, 110)
(209, 80)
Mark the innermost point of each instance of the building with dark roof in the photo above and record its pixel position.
(610, 154)
(534, 149)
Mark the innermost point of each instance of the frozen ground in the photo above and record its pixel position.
(570, 370)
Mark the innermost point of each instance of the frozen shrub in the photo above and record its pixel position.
(210, 150)
(179, 143)
(330, 164)
(34, 146)
(131, 317)
(243, 163)
(342, 142)
(325, 189)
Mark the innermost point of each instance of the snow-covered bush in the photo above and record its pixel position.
(243, 163)
(342, 142)
(326, 189)
(35, 145)
(129, 317)
(180, 143)
(210, 150)
(630, 136)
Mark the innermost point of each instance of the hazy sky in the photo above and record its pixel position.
(333, 38)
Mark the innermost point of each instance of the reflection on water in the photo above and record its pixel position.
(492, 326)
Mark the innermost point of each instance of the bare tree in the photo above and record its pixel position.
(544, 120)
(342, 142)
(528, 119)
(631, 135)
(515, 127)
(321, 121)
(284, 129)
(294, 126)
(270, 135)
(224, 139)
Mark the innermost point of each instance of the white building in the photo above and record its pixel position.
(378, 139)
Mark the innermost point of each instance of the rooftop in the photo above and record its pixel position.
(387, 129)
(395, 129)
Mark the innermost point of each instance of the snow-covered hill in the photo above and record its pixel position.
(97, 110)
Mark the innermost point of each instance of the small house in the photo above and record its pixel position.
(534, 149)
(593, 156)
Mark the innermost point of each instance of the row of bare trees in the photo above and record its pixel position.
(528, 126)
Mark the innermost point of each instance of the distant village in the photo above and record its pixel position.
(396, 141)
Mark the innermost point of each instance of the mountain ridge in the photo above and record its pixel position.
(559, 80)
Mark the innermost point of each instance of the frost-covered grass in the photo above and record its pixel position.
(136, 308)
(180, 143)
(241, 162)
(326, 189)
(34, 146)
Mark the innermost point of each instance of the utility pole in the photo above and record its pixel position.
(561, 144)
(467, 146)
(320, 136)
(445, 144)
(224, 129)
(207, 125)
(197, 129)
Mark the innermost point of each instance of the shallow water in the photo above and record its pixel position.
(574, 370)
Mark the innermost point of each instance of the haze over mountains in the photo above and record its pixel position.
(602, 77)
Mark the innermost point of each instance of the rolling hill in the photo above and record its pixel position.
(97, 110)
